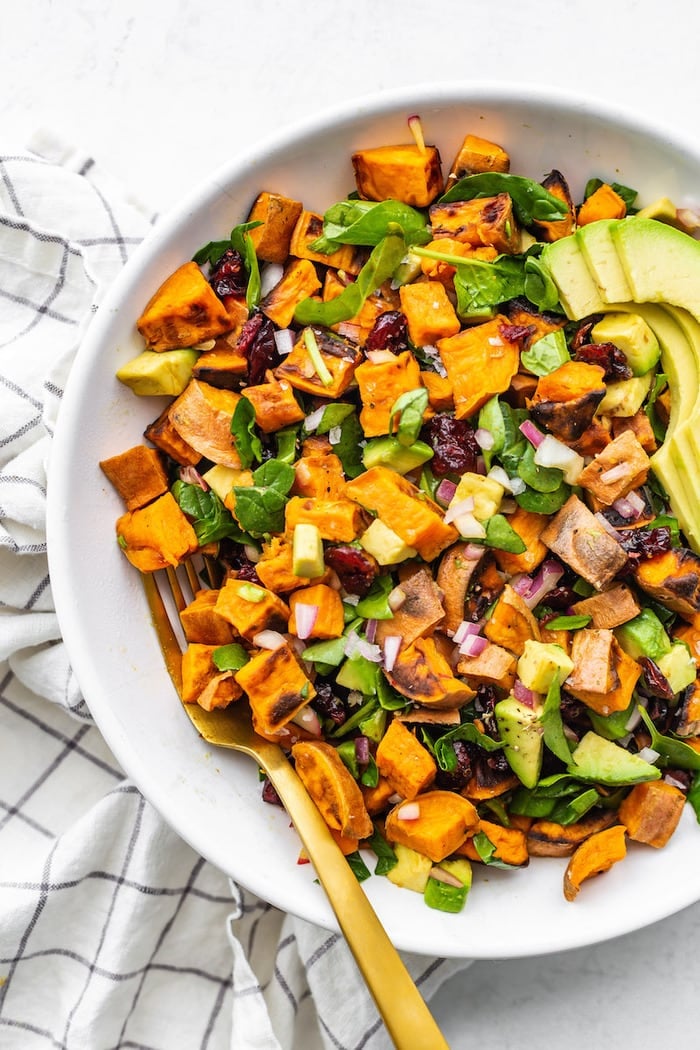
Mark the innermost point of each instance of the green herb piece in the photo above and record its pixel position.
(568, 623)
(367, 222)
(375, 604)
(531, 202)
(569, 812)
(547, 354)
(554, 736)
(316, 357)
(502, 536)
(445, 753)
(358, 866)
(541, 479)
(443, 896)
(380, 266)
(260, 506)
(245, 435)
(407, 415)
(386, 857)
(544, 502)
(674, 751)
(210, 519)
(230, 657)
(486, 850)
(693, 796)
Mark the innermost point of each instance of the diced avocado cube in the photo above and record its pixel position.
(412, 869)
(678, 667)
(486, 493)
(443, 896)
(539, 664)
(389, 452)
(153, 374)
(663, 210)
(644, 635)
(605, 762)
(307, 551)
(221, 479)
(624, 398)
(631, 334)
(385, 545)
(521, 731)
(358, 673)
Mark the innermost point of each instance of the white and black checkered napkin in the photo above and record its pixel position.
(113, 932)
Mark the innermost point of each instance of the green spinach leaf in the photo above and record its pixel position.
(409, 407)
(531, 202)
(367, 222)
(245, 435)
(554, 736)
(211, 520)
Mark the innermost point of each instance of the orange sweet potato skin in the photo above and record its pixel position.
(138, 475)
(510, 843)
(445, 821)
(332, 788)
(594, 856)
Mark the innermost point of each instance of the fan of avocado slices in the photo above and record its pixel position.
(650, 271)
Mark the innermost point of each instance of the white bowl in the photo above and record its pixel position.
(210, 797)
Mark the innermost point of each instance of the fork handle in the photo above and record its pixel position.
(404, 1011)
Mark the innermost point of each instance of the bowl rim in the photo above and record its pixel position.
(370, 105)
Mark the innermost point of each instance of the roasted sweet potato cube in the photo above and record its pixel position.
(377, 798)
(651, 812)
(307, 228)
(546, 838)
(278, 216)
(622, 466)
(609, 608)
(445, 820)
(522, 387)
(640, 426)
(404, 761)
(203, 683)
(274, 568)
(594, 438)
(380, 384)
(338, 520)
(605, 203)
(565, 401)
(454, 576)
(440, 392)
(202, 417)
(329, 621)
(673, 578)
(484, 221)
(575, 536)
(298, 282)
(522, 312)
(223, 366)
(529, 527)
(251, 608)
(404, 509)
(444, 272)
(479, 363)
(332, 788)
(423, 674)
(274, 403)
(405, 173)
(157, 535)
(688, 723)
(587, 652)
(138, 475)
(430, 314)
(318, 474)
(493, 666)
(488, 783)
(511, 623)
(277, 688)
(594, 856)
(510, 844)
(420, 612)
(359, 326)
(164, 436)
(339, 355)
(477, 155)
(185, 311)
(556, 184)
(201, 623)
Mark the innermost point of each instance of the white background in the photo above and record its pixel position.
(161, 93)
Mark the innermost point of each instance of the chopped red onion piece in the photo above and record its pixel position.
(362, 750)
(252, 553)
(269, 640)
(523, 694)
(335, 435)
(305, 617)
(668, 779)
(191, 476)
(484, 438)
(624, 508)
(351, 643)
(528, 429)
(473, 552)
(602, 520)
(456, 510)
(464, 630)
(378, 357)
(445, 491)
(370, 652)
(481, 465)
(409, 811)
(648, 754)
(308, 720)
(395, 599)
(616, 473)
(473, 645)
(444, 876)
(548, 576)
(284, 340)
(313, 419)
(349, 331)
(271, 275)
(371, 630)
(392, 644)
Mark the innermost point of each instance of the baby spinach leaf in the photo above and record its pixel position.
(547, 354)
(628, 195)
(445, 753)
(694, 796)
(487, 851)
(333, 416)
(375, 605)
(491, 419)
(480, 286)
(390, 698)
(386, 857)
(675, 751)
(571, 811)
(502, 536)
(541, 479)
(380, 266)
(248, 444)
(538, 285)
(241, 242)
(275, 475)
(552, 724)
(211, 520)
(358, 866)
(568, 623)
(530, 200)
(544, 502)
(409, 407)
(348, 448)
(260, 506)
(286, 441)
(367, 222)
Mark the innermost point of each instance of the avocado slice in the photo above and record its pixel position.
(567, 267)
(598, 248)
(661, 263)
(388, 451)
(521, 730)
(605, 762)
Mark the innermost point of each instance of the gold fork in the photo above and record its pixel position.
(401, 1006)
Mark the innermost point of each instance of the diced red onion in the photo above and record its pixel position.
(554, 453)
(668, 779)
(636, 501)
(602, 520)
(528, 429)
(464, 630)
(689, 217)
(252, 553)
(308, 720)
(493, 340)
(456, 510)
(371, 630)
(370, 652)
(392, 644)
(521, 584)
(548, 576)
(269, 640)
(616, 473)
(313, 419)
(626, 509)
(473, 552)
(335, 435)
(523, 694)
(271, 275)
(362, 750)
(394, 799)
(445, 491)
(409, 811)
(395, 599)
(484, 438)
(284, 340)
(508, 506)
(351, 643)
(352, 599)
(473, 645)
(191, 476)
(648, 754)
(635, 718)
(469, 527)
(305, 616)
(349, 331)
(498, 474)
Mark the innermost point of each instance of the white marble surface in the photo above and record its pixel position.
(162, 92)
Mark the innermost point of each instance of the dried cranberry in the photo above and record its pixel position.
(257, 343)
(608, 356)
(453, 443)
(645, 543)
(654, 682)
(355, 568)
(326, 703)
(457, 778)
(389, 332)
(660, 713)
(516, 333)
(485, 699)
(560, 598)
(582, 335)
(573, 712)
(269, 794)
(228, 276)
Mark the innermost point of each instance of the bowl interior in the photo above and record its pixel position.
(213, 798)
